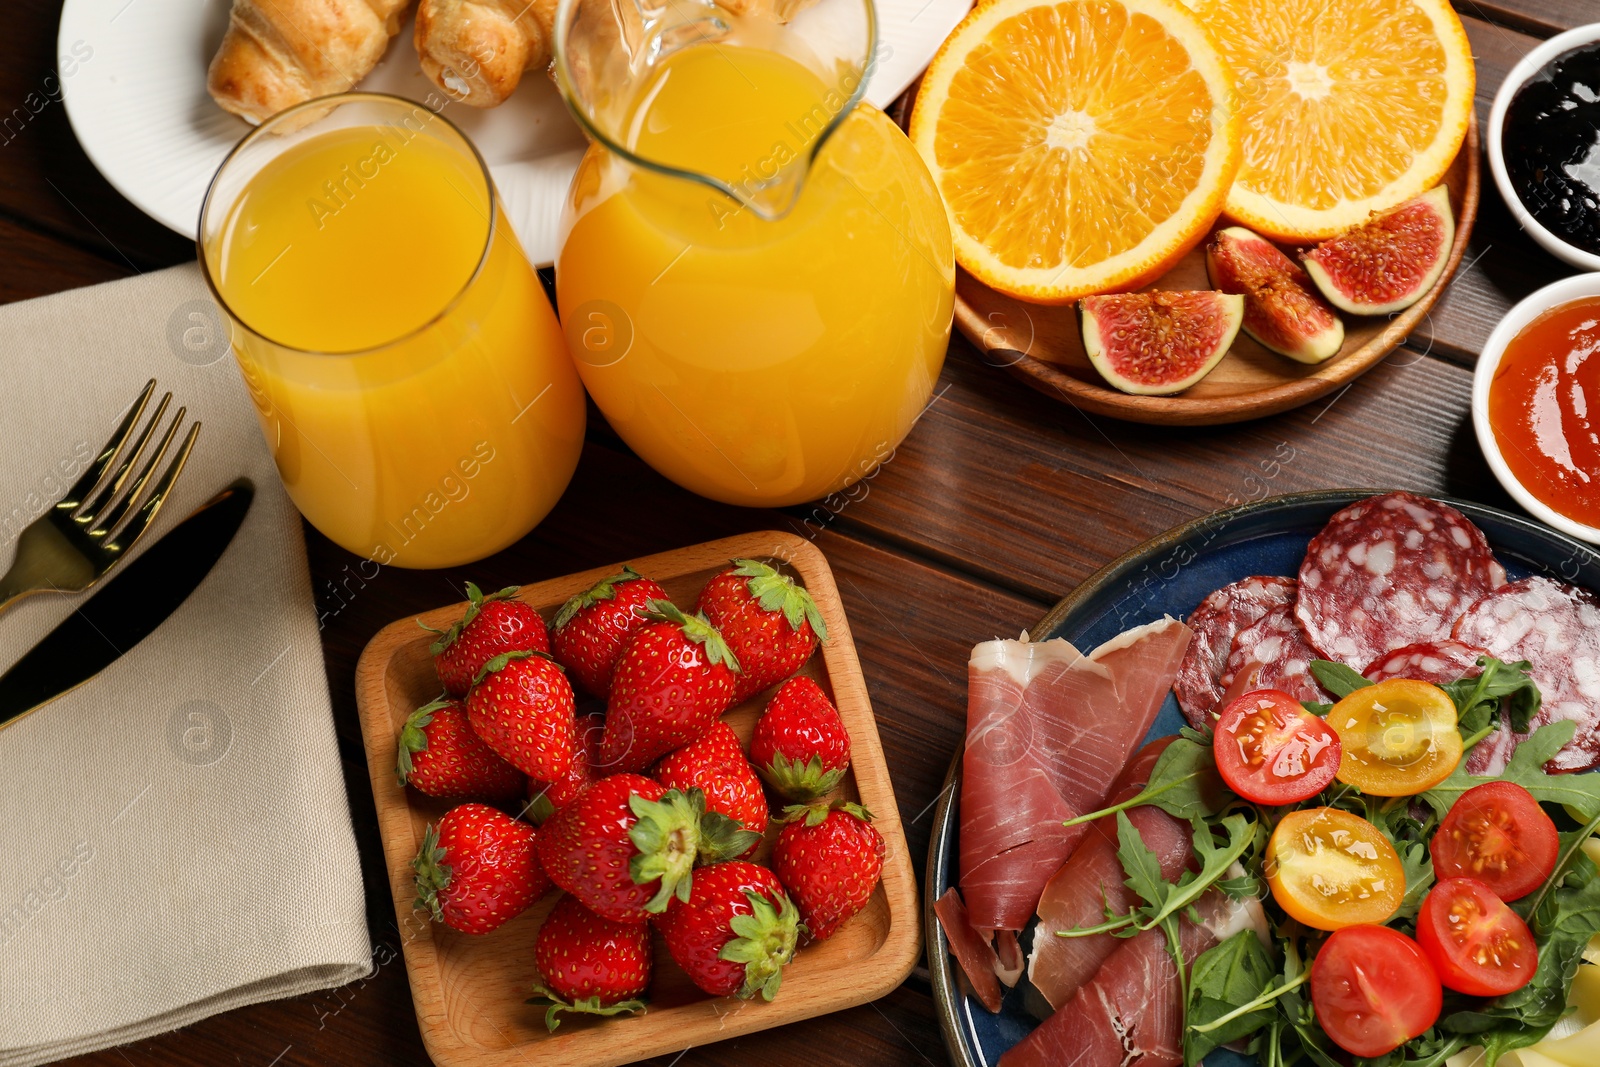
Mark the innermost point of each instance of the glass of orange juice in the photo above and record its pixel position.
(756, 274)
(407, 368)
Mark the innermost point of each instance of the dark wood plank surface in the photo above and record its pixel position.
(999, 502)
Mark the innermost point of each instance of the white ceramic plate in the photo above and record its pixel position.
(133, 77)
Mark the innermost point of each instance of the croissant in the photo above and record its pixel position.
(278, 53)
(476, 50)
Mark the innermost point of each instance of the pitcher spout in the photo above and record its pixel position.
(612, 60)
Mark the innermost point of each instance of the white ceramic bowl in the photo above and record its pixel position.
(1551, 296)
(1519, 75)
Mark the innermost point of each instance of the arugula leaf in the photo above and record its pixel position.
(1581, 792)
(1140, 864)
(1239, 831)
(1184, 783)
(1501, 686)
(1164, 900)
(1225, 978)
(1336, 678)
(1419, 879)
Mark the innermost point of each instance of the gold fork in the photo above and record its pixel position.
(74, 544)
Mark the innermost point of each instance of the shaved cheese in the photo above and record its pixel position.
(1582, 1049)
(1574, 1042)
(1585, 995)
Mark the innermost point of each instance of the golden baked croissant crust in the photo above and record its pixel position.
(476, 50)
(278, 53)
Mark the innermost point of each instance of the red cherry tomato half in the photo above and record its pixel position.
(1271, 750)
(1373, 989)
(1475, 942)
(1498, 834)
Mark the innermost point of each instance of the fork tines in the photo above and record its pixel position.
(104, 504)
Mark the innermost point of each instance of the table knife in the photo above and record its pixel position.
(128, 608)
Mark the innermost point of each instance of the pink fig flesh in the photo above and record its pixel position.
(1158, 343)
(1388, 262)
(1281, 308)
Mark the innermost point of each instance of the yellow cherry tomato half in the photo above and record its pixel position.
(1397, 738)
(1331, 869)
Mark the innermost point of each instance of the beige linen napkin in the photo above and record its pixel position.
(175, 832)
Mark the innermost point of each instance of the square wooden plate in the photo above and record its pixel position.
(470, 991)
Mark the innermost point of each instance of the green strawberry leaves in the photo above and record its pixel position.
(539, 809)
(554, 1006)
(801, 779)
(476, 599)
(433, 874)
(776, 591)
(816, 811)
(413, 739)
(697, 629)
(764, 941)
(724, 838)
(499, 663)
(667, 834)
(605, 589)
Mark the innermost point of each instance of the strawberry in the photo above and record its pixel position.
(478, 869)
(627, 845)
(671, 683)
(592, 628)
(829, 858)
(547, 798)
(771, 624)
(800, 746)
(590, 965)
(522, 707)
(441, 756)
(736, 931)
(714, 763)
(493, 624)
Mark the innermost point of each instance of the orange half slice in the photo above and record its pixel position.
(1080, 146)
(1349, 107)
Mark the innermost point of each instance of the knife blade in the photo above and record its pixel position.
(128, 608)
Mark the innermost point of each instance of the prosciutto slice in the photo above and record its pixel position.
(1092, 880)
(1048, 731)
(975, 955)
(1128, 1014)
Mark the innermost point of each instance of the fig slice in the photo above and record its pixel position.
(1158, 343)
(1388, 262)
(1281, 308)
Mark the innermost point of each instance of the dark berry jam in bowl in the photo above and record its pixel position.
(1544, 145)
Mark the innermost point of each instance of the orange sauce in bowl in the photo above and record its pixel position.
(1544, 408)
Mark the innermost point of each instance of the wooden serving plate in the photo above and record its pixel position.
(1044, 346)
(470, 991)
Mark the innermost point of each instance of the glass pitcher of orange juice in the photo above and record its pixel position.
(756, 274)
(407, 368)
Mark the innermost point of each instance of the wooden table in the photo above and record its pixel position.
(997, 504)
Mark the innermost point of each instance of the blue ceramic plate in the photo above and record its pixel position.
(1170, 575)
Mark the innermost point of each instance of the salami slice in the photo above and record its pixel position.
(1556, 628)
(1427, 661)
(1390, 571)
(1216, 622)
(1490, 755)
(1275, 649)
